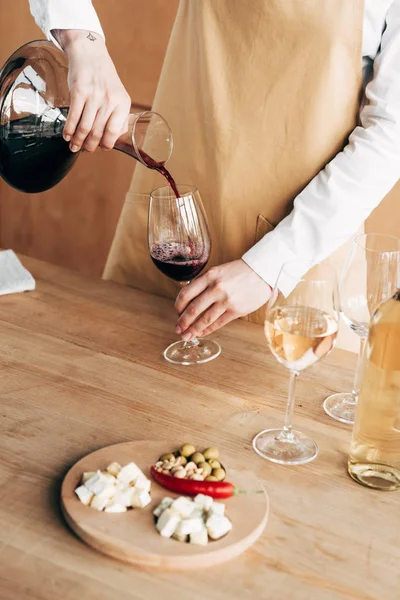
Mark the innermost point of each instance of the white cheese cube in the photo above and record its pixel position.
(200, 538)
(124, 496)
(218, 526)
(180, 538)
(97, 484)
(203, 501)
(183, 506)
(114, 469)
(88, 475)
(188, 526)
(167, 522)
(142, 483)
(140, 499)
(129, 473)
(217, 508)
(84, 495)
(115, 508)
(99, 502)
(198, 512)
(110, 479)
(165, 503)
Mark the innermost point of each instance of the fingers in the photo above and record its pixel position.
(191, 291)
(206, 320)
(74, 115)
(84, 127)
(223, 320)
(93, 139)
(115, 126)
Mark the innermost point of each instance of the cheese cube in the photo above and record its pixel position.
(218, 526)
(110, 479)
(84, 495)
(165, 503)
(167, 522)
(203, 501)
(97, 484)
(129, 473)
(217, 508)
(88, 475)
(124, 496)
(114, 469)
(99, 502)
(140, 499)
(180, 538)
(200, 538)
(183, 506)
(115, 508)
(188, 526)
(142, 483)
(197, 512)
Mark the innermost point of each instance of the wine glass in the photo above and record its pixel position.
(368, 278)
(301, 326)
(180, 246)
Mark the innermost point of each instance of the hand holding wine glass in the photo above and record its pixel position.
(180, 246)
(301, 326)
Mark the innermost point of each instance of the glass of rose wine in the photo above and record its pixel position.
(180, 246)
(301, 326)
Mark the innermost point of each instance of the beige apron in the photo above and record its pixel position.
(260, 95)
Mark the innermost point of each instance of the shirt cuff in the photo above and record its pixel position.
(268, 256)
(74, 14)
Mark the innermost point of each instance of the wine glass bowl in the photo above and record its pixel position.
(180, 246)
(301, 326)
(369, 277)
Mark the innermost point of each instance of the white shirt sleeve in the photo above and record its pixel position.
(335, 203)
(65, 14)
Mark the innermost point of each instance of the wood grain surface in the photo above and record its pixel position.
(132, 536)
(81, 367)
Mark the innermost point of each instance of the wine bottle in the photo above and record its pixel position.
(374, 458)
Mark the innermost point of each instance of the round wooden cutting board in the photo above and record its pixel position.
(132, 536)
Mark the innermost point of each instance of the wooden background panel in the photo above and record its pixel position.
(74, 223)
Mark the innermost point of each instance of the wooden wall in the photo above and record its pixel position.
(73, 224)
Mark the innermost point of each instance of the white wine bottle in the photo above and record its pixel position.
(374, 457)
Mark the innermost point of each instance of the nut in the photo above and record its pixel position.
(197, 477)
(191, 466)
(180, 473)
(158, 464)
(165, 471)
(181, 460)
(175, 469)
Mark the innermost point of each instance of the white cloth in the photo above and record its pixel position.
(333, 206)
(13, 276)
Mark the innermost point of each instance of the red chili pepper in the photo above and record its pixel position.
(191, 487)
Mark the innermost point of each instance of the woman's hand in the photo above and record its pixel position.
(222, 294)
(99, 105)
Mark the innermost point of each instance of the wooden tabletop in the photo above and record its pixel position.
(81, 367)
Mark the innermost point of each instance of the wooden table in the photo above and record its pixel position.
(81, 367)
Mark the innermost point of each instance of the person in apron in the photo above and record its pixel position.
(263, 99)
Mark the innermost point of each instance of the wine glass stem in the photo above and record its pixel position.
(194, 341)
(287, 433)
(357, 378)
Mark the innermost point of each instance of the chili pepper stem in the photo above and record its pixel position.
(237, 491)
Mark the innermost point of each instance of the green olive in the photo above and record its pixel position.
(211, 478)
(168, 456)
(187, 450)
(211, 453)
(182, 460)
(197, 458)
(214, 464)
(219, 474)
(206, 468)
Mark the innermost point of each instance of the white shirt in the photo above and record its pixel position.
(333, 206)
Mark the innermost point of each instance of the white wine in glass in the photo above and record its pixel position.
(369, 277)
(301, 326)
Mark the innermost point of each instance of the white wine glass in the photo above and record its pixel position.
(368, 278)
(301, 326)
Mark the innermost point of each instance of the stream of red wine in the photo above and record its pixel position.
(162, 169)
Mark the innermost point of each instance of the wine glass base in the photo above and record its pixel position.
(186, 353)
(274, 445)
(341, 407)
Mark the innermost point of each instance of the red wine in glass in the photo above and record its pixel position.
(179, 261)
